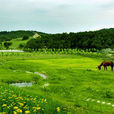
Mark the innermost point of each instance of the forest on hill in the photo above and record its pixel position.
(84, 40)
(100, 39)
(9, 35)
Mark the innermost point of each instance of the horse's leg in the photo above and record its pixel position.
(106, 68)
(112, 68)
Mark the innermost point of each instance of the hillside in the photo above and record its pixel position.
(100, 39)
(9, 35)
(16, 38)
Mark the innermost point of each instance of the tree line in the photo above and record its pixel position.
(100, 39)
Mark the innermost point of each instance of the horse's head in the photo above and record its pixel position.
(99, 67)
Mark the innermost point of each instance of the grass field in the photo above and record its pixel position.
(72, 80)
(16, 43)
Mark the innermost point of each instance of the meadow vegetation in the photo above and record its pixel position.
(100, 39)
(72, 76)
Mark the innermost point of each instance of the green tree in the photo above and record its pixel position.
(7, 44)
(25, 38)
(21, 45)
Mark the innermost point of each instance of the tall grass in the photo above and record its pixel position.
(16, 101)
(55, 51)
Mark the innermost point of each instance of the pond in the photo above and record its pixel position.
(23, 84)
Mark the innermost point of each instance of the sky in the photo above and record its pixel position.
(56, 16)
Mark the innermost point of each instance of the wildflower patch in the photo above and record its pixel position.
(15, 102)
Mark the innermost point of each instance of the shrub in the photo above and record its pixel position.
(7, 44)
(21, 45)
(25, 37)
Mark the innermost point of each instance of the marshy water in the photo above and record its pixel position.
(11, 51)
(42, 75)
(29, 84)
(23, 84)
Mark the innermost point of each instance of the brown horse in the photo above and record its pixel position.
(105, 64)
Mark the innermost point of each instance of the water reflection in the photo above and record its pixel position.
(11, 51)
(23, 84)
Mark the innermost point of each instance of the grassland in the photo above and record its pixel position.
(16, 43)
(72, 80)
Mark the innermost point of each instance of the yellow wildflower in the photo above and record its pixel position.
(45, 100)
(58, 109)
(27, 112)
(21, 104)
(4, 105)
(15, 107)
(34, 110)
(19, 110)
(20, 97)
(38, 108)
(14, 112)
(34, 107)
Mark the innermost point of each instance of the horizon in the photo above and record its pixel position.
(57, 32)
(56, 16)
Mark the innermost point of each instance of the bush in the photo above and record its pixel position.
(7, 44)
(21, 45)
(25, 38)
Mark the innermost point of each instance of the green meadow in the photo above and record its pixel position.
(75, 85)
(16, 43)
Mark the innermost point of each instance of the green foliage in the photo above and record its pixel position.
(100, 39)
(35, 43)
(6, 36)
(7, 44)
(109, 94)
(25, 38)
(83, 40)
(16, 101)
(21, 46)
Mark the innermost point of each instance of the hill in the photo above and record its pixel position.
(9, 35)
(100, 39)
(16, 38)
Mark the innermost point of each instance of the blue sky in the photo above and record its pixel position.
(55, 16)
